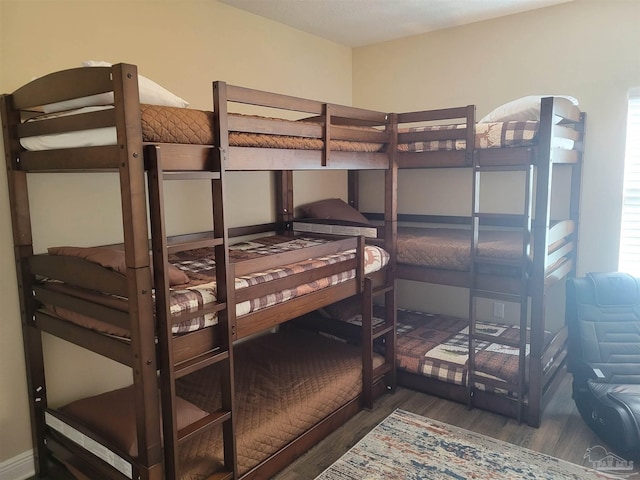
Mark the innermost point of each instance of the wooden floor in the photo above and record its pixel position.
(563, 433)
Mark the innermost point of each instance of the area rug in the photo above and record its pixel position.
(410, 447)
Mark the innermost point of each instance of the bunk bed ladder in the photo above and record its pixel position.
(519, 295)
(222, 356)
(385, 329)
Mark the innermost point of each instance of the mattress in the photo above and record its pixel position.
(437, 346)
(162, 124)
(285, 383)
(450, 248)
(487, 135)
(199, 266)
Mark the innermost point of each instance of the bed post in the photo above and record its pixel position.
(23, 249)
(574, 202)
(540, 251)
(390, 242)
(284, 199)
(136, 242)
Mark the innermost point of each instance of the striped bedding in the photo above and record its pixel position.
(437, 346)
(487, 135)
(199, 265)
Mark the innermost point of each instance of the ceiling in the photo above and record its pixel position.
(362, 22)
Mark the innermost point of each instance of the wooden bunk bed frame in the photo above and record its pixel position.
(173, 356)
(548, 265)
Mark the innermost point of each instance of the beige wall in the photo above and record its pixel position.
(589, 49)
(183, 45)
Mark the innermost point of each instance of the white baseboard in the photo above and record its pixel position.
(19, 467)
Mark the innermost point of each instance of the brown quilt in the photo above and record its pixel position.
(450, 248)
(285, 383)
(185, 125)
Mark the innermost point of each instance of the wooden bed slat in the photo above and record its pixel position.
(272, 100)
(184, 158)
(240, 158)
(272, 126)
(70, 123)
(559, 272)
(63, 85)
(103, 313)
(76, 159)
(107, 346)
(560, 230)
(80, 273)
(433, 115)
(440, 159)
(566, 109)
(431, 135)
(274, 286)
(273, 316)
(273, 261)
(286, 102)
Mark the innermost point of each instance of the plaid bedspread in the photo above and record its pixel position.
(437, 346)
(199, 265)
(488, 135)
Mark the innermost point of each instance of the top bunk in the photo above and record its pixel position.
(530, 130)
(82, 119)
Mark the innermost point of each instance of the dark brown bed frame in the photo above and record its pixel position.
(542, 263)
(174, 356)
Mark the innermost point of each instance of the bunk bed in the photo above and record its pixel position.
(159, 306)
(498, 256)
(504, 257)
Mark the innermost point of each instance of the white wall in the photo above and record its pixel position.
(183, 45)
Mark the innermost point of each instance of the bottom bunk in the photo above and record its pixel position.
(432, 356)
(292, 388)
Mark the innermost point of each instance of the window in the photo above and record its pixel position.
(629, 260)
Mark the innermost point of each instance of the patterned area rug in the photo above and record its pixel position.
(407, 446)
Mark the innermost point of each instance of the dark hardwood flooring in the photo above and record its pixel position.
(563, 433)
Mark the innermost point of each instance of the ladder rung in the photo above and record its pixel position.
(191, 175)
(503, 168)
(183, 246)
(199, 362)
(382, 289)
(499, 261)
(381, 330)
(215, 418)
(382, 370)
(500, 341)
(515, 219)
(504, 297)
(187, 315)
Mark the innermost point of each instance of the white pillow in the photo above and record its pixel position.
(150, 92)
(521, 109)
